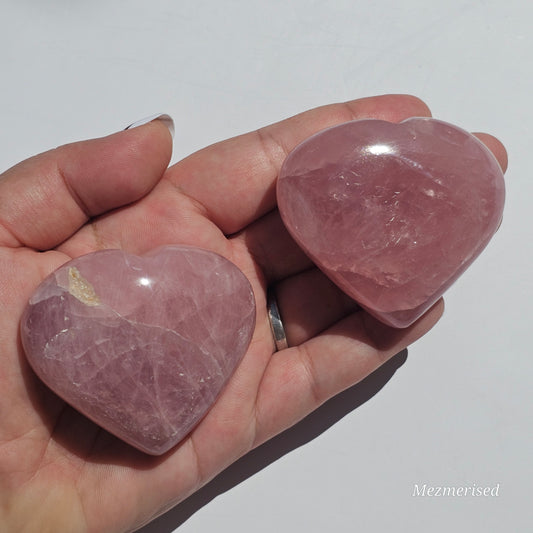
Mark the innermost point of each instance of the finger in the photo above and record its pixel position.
(496, 147)
(273, 249)
(309, 303)
(233, 182)
(299, 379)
(45, 199)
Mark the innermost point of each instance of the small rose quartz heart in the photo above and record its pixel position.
(392, 213)
(140, 345)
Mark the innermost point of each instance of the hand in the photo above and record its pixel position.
(59, 471)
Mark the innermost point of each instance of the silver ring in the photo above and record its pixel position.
(276, 325)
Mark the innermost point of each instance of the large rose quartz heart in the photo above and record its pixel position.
(140, 345)
(392, 213)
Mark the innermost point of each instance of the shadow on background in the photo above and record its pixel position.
(303, 432)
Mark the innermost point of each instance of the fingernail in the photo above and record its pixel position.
(163, 117)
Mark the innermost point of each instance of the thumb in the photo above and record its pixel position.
(46, 198)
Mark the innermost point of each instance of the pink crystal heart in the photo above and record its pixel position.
(140, 345)
(392, 213)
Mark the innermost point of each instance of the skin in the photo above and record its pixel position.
(60, 472)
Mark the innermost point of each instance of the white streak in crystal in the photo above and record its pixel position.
(81, 289)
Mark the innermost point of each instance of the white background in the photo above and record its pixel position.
(458, 410)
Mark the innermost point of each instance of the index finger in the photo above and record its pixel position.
(234, 182)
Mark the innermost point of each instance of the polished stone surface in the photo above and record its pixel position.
(392, 213)
(141, 345)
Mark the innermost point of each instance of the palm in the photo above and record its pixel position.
(50, 455)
